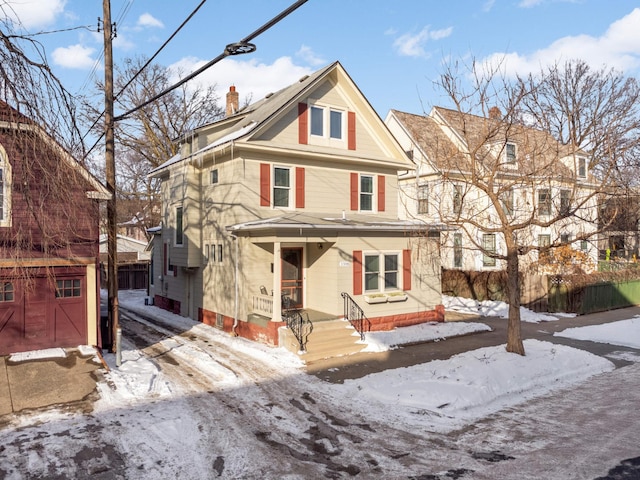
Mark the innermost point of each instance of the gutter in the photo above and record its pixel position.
(235, 315)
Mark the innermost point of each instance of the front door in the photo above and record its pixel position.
(291, 282)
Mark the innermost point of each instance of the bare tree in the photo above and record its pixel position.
(147, 138)
(516, 166)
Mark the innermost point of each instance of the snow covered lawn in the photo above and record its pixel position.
(625, 333)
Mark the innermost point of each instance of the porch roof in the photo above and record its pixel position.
(315, 224)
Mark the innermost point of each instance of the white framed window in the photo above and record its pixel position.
(5, 190)
(510, 153)
(282, 187)
(488, 248)
(544, 242)
(179, 227)
(507, 201)
(381, 271)
(544, 202)
(423, 199)
(366, 193)
(457, 199)
(582, 167)
(326, 124)
(457, 250)
(565, 202)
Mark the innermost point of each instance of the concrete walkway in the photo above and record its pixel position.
(338, 369)
(41, 383)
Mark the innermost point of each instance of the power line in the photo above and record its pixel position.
(175, 32)
(243, 46)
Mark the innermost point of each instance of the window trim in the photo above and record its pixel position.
(565, 202)
(422, 199)
(74, 288)
(457, 250)
(326, 136)
(507, 157)
(214, 176)
(457, 199)
(488, 260)
(547, 203)
(7, 292)
(381, 273)
(581, 167)
(290, 188)
(371, 194)
(178, 231)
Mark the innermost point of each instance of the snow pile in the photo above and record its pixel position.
(625, 333)
(494, 308)
(426, 332)
(474, 384)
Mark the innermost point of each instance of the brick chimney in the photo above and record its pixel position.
(232, 100)
(495, 113)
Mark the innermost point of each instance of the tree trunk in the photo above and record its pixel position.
(514, 333)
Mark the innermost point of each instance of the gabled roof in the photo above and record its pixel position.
(255, 118)
(451, 139)
(11, 119)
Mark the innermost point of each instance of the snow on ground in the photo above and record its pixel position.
(493, 308)
(426, 332)
(625, 333)
(444, 393)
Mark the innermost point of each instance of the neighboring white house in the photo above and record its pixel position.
(294, 197)
(542, 187)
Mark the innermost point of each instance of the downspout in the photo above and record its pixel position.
(235, 316)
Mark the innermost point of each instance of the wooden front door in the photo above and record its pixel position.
(291, 282)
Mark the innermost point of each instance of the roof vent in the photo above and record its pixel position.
(304, 78)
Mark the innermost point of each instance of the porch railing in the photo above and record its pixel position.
(355, 315)
(263, 305)
(300, 325)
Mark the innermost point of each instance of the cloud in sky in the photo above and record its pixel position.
(309, 56)
(618, 47)
(74, 56)
(32, 14)
(251, 78)
(413, 45)
(148, 20)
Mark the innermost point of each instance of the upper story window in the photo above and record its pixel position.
(565, 202)
(544, 201)
(510, 153)
(214, 176)
(179, 235)
(326, 122)
(582, 167)
(423, 199)
(507, 201)
(366, 193)
(281, 187)
(5, 190)
(457, 199)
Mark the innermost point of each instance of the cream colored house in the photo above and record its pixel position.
(544, 190)
(292, 201)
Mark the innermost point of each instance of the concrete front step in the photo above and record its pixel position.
(331, 338)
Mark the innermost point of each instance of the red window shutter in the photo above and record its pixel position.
(299, 187)
(351, 130)
(357, 272)
(406, 270)
(381, 199)
(354, 191)
(265, 184)
(303, 123)
(164, 258)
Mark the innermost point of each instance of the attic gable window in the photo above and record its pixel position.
(582, 167)
(326, 125)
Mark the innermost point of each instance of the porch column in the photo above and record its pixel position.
(277, 284)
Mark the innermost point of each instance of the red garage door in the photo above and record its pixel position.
(43, 313)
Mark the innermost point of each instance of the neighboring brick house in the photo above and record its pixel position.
(295, 196)
(543, 187)
(49, 231)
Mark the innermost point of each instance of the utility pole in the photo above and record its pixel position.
(112, 222)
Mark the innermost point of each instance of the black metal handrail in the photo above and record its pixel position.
(300, 325)
(355, 315)
(297, 321)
